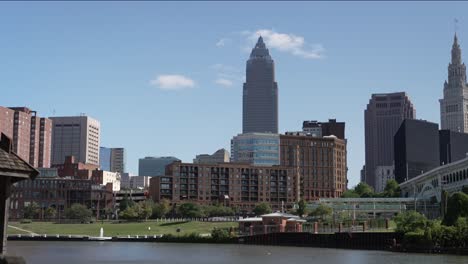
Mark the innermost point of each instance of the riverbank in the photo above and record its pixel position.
(116, 229)
(197, 253)
(356, 241)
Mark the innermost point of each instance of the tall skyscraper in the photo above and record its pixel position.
(77, 136)
(416, 148)
(383, 117)
(454, 105)
(30, 134)
(260, 98)
(112, 159)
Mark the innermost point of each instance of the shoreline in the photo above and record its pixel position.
(247, 240)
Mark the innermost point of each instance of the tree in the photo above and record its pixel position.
(126, 202)
(364, 190)
(392, 189)
(350, 194)
(457, 206)
(301, 210)
(50, 213)
(190, 210)
(146, 210)
(129, 213)
(322, 211)
(262, 208)
(217, 210)
(78, 212)
(161, 209)
(31, 211)
(410, 221)
(465, 189)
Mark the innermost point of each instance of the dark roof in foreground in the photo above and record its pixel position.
(11, 165)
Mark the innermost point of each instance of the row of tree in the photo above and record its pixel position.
(451, 231)
(148, 209)
(76, 212)
(363, 190)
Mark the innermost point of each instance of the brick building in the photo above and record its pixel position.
(74, 168)
(31, 134)
(59, 193)
(232, 184)
(320, 162)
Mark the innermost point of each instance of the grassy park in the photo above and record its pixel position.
(118, 229)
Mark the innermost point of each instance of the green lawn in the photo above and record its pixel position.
(120, 229)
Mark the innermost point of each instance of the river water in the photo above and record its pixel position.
(36, 252)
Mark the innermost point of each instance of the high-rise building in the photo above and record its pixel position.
(112, 159)
(154, 166)
(454, 105)
(416, 149)
(383, 117)
(31, 134)
(105, 158)
(260, 93)
(77, 136)
(320, 162)
(453, 146)
(260, 149)
(117, 160)
(220, 156)
(319, 129)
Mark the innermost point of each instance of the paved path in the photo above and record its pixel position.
(24, 230)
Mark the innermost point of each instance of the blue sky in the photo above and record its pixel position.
(166, 78)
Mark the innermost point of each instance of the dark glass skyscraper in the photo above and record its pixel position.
(260, 99)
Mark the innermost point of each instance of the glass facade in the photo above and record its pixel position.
(105, 158)
(256, 149)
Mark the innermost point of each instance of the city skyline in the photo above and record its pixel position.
(124, 72)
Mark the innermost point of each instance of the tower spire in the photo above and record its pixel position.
(456, 51)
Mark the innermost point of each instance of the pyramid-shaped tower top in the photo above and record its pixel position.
(456, 51)
(260, 50)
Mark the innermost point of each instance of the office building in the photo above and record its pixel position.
(383, 174)
(125, 181)
(260, 149)
(320, 162)
(105, 158)
(231, 184)
(416, 145)
(320, 129)
(112, 159)
(453, 106)
(154, 166)
(453, 146)
(220, 156)
(383, 117)
(77, 136)
(30, 134)
(260, 92)
(140, 182)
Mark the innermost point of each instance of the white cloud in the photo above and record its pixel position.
(227, 75)
(222, 42)
(293, 44)
(224, 82)
(172, 82)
